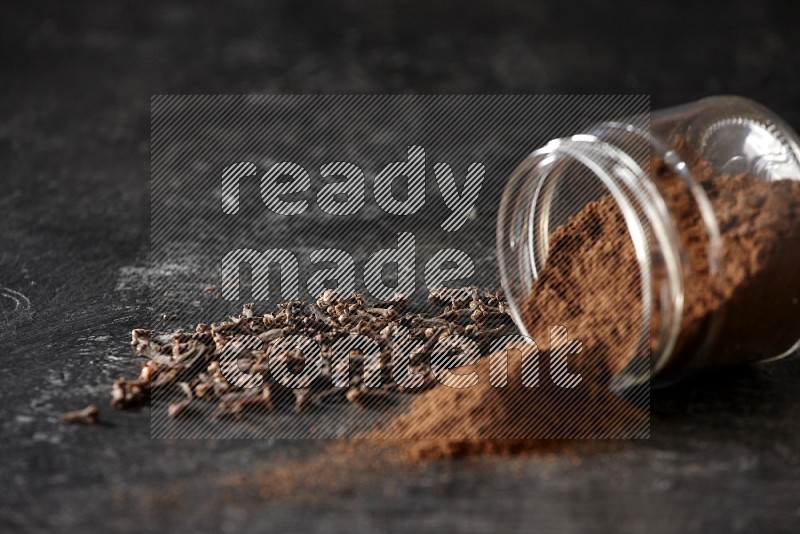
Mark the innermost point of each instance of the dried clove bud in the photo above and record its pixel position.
(302, 397)
(87, 416)
(177, 409)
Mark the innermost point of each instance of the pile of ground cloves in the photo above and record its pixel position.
(186, 365)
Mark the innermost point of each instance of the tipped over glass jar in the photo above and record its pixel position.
(670, 242)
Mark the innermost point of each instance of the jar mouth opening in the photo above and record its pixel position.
(552, 185)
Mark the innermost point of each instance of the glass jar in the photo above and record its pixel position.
(710, 199)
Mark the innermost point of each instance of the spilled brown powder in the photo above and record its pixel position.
(595, 263)
(499, 421)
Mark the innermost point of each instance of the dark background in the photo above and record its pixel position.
(76, 83)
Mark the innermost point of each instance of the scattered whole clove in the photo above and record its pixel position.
(86, 416)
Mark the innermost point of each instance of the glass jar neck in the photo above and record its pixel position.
(616, 159)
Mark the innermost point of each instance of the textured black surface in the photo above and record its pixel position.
(76, 82)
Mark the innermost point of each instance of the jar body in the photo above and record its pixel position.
(710, 199)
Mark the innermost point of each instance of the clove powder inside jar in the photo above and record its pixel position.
(749, 310)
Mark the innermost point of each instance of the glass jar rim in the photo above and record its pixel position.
(523, 227)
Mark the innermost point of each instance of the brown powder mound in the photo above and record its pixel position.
(595, 263)
(488, 420)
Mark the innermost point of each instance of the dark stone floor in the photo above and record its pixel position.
(76, 82)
